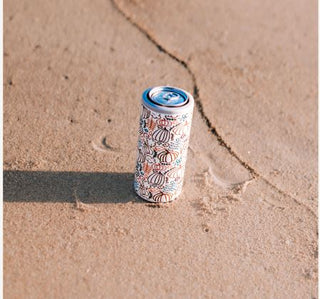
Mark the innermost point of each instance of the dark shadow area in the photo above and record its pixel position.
(88, 187)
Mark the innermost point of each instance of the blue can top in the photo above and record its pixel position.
(167, 99)
(168, 96)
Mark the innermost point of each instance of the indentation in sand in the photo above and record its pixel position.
(101, 145)
(212, 176)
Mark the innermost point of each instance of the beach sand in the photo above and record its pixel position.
(246, 223)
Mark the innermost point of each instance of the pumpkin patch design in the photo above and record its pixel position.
(161, 135)
(179, 129)
(162, 152)
(156, 179)
(162, 197)
(167, 157)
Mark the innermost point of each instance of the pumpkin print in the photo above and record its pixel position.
(167, 157)
(161, 135)
(163, 122)
(174, 172)
(156, 179)
(162, 197)
(178, 130)
(162, 150)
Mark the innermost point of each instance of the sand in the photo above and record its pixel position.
(246, 223)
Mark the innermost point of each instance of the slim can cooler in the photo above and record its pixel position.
(164, 131)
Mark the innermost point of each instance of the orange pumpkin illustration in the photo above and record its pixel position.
(162, 197)
(163, 122)
(167, 157)
(158, 167)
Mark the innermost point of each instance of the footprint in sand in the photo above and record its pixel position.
(101, 145)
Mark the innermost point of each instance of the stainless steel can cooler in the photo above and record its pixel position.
(164, 132)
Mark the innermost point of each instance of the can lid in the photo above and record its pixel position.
(167, 99)
(168, 96)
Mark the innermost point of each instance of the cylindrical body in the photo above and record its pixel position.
(164, 132)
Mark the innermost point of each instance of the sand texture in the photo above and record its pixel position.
(246, 223)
